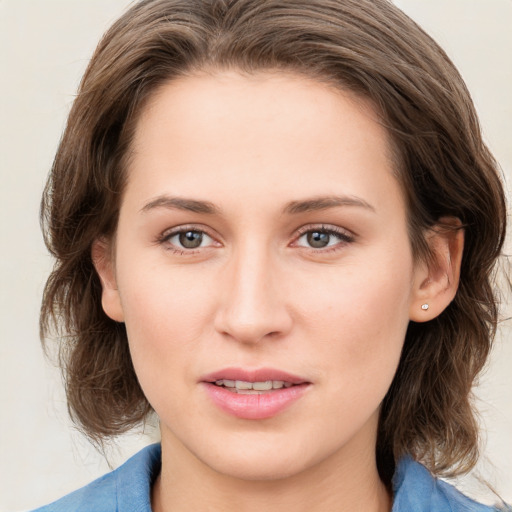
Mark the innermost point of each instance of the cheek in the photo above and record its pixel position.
(166, 315)
(359, 317)
(166, 319)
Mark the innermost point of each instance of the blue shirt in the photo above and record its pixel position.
(128, 489)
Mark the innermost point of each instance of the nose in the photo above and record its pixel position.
(253, 303)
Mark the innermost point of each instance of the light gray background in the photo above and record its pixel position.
(44, 48)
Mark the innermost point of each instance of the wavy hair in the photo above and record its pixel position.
(368, 47)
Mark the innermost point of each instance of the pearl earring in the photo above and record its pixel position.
(424, 307)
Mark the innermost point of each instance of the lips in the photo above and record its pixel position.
(259, 375)
(254, 394)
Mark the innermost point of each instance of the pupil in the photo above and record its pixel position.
(317, 239)
(191, 239)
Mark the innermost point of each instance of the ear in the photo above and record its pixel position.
(103, 260)
(436, 280)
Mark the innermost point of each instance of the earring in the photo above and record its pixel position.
(424, 307)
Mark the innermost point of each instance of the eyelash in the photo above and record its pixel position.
(344, 238)
(164, 239)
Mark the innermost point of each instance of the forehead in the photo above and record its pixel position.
(252, 98)
(268, 131)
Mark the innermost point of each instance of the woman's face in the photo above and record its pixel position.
(262, 237)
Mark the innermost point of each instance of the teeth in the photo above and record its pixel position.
(242, 385)
(262, 386)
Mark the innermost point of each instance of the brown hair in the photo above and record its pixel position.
(365, 46)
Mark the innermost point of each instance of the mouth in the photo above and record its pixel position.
(262, 379)
(254, 394)
(244, 387)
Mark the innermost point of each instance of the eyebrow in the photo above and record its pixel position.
(293, 207)
(325, 202)
(179, 203)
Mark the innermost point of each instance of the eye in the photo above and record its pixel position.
(323, 238)
(190, 239)
(183, 240)
(318, 240)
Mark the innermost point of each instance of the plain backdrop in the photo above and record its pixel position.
(44, 48)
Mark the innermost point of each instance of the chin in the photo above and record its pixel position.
(268, 469)
(265, 461)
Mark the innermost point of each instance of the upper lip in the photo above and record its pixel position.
(253, 375)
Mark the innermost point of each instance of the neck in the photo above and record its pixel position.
(344, 482)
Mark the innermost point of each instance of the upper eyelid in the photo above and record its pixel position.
(303, 229)
(184, 228)
(329, 228)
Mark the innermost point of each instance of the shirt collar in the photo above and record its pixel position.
(135, 478)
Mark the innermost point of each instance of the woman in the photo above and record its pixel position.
(275, 225)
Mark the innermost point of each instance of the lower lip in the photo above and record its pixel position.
(254, 407)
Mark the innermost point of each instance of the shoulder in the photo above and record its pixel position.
(416, 489)
(128, 488)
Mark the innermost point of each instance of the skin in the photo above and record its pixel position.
(256, 294)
